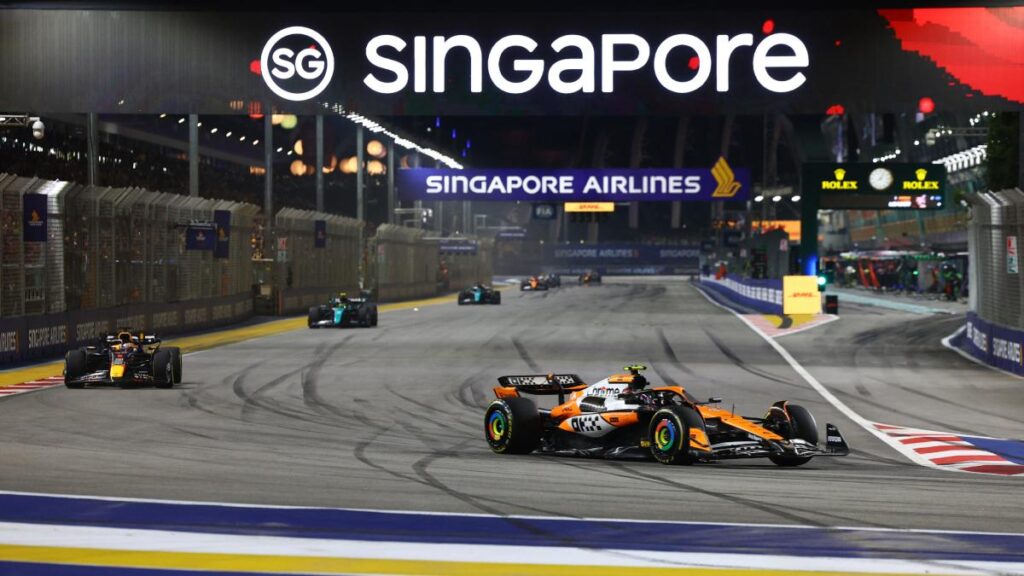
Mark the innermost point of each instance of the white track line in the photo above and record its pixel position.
(140, 540)
(828, 396)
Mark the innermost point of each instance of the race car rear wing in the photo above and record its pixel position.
(543, 383)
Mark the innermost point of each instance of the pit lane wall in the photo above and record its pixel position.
(765, 296)
(995, 345)
(28, 338)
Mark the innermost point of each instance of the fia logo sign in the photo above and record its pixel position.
(297, 51)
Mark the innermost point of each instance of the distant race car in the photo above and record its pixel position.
(342, 311)
(533, 283)
(552, 280)
(479, 294)
(124, 359)
(622, 416)
(590, 278)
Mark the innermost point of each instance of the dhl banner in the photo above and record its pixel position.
(800, 295)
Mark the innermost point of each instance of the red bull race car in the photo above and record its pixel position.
(124, 359)
(623, 416)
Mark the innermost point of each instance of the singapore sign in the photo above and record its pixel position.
(516, 64)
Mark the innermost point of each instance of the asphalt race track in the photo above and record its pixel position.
(391, 418)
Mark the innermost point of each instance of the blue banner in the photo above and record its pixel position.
(319, 233)
(624, 253)
(200, 237)
(457, 246)
(34, 221)
(518, 234)
(720, 182)
(222, 220)
(993, 344)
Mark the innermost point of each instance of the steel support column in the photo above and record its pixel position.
(268, 180)
(391, 181)
(360, 174)
(319, 162)
(193, 155)
(92, 148)
(678, 157)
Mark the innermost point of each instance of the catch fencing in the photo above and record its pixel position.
(995, 280)
(107, 247)
(317, 254)
(403, 264)
(466, 269)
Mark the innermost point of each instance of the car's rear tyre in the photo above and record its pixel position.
(461, 299)
(669, 432)
(373, 318)
(803, 426)
(513, 426)
(74, 368)
(176, 363)
(497, 298)
(163, 369)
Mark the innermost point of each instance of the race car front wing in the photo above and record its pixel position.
(835, 445)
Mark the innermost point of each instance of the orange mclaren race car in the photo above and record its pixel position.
(533, 283)
(622, 416)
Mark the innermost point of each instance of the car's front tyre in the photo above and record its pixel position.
(163, 369)
(802, 426)
(75, 366)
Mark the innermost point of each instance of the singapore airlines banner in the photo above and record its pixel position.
(720, 182)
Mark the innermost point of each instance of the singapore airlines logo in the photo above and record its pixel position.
(727, 184)
(34, 217)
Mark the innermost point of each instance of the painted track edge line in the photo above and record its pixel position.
(828, 396)
(513, 516)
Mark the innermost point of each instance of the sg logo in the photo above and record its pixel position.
(313, 64)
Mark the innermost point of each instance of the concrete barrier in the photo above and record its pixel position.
(762, 295)
(995, 345)
(28, 338)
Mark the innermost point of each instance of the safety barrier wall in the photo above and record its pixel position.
(28, 338)
(306, 274)
(464, 270)
(404, 262)
(109, 247)
(995, 278)
(761, 295)
(995, 345)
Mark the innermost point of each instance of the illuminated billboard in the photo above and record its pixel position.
(875, 186)
(462, 63)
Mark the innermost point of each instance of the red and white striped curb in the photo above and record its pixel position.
(953, 451)
(30, 386)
